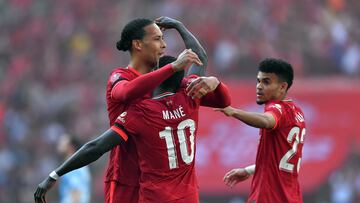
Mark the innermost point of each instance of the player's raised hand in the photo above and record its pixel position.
(167, 23)
(234, 176)
(185, 59)
(201, 86)
(42, 188)
(228, 111)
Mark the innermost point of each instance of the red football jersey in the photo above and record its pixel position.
(279, 156)
(164, 130)
(123, 165)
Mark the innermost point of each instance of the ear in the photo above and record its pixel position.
(283, 86)
(136, 44)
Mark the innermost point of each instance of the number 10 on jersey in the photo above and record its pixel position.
(169, 135)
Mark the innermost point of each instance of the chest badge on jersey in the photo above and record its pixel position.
(122, 117)
(169, 103)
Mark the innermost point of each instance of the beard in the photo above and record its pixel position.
(260, 102)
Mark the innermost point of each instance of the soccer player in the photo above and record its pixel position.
(164, 129)
(282, 134)
(74, 186)
(144, 40)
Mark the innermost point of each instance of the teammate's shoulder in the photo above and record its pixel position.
(187, 80)
(120, 73)
(120, 70)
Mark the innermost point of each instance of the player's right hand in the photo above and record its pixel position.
(185, 59)
(234, 176)
(167, 23)
(42, 188)
(202, 86)
(228, 111)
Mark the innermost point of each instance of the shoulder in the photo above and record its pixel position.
(118, 74)
(187, 80)
(182, 97)
(274, 106)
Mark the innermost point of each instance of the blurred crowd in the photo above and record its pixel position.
(55, 57)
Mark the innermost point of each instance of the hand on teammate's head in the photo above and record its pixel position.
(185, 59)
(166, 23)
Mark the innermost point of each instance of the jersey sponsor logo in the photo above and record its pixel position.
(122, 117)
(173, 114)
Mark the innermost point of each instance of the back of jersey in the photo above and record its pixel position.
(164, 130)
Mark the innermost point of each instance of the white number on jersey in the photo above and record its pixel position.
(284, 162)
(170, 144)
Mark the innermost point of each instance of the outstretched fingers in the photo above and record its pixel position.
(39, 195)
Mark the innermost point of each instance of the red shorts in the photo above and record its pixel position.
(116, 192)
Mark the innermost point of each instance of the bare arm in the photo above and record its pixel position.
(257, 120)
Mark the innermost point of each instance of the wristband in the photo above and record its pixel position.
(54, 175)
(250, 169)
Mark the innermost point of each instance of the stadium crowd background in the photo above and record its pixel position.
(55, 57)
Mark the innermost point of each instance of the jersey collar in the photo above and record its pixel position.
(133, 70)
(165, 94)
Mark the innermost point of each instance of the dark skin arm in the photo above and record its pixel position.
(190, 43)
(87, 154)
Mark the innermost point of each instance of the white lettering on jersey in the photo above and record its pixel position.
(173, 114)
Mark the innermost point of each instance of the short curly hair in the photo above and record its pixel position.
(280, 68)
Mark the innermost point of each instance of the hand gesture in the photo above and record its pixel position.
(185, 59)
(42, 188)
(234, 176)
(228, 111)
(201, 86)
(167, 23)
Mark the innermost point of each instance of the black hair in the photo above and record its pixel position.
(173, 81)
(75, 142)
(133, 30)
(279, 67)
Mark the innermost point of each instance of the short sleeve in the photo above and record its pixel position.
(276, 110)
(129, 120)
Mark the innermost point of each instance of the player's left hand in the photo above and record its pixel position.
(167, 23)
(201, 86)
(235, 176)
(42, 188)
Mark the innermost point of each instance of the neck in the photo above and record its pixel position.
(140, 66)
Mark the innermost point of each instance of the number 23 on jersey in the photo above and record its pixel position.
(295, 132)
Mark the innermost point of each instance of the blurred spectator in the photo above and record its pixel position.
(74, 186)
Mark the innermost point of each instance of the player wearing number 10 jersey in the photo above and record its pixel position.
(282, 131)
(164, 130)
